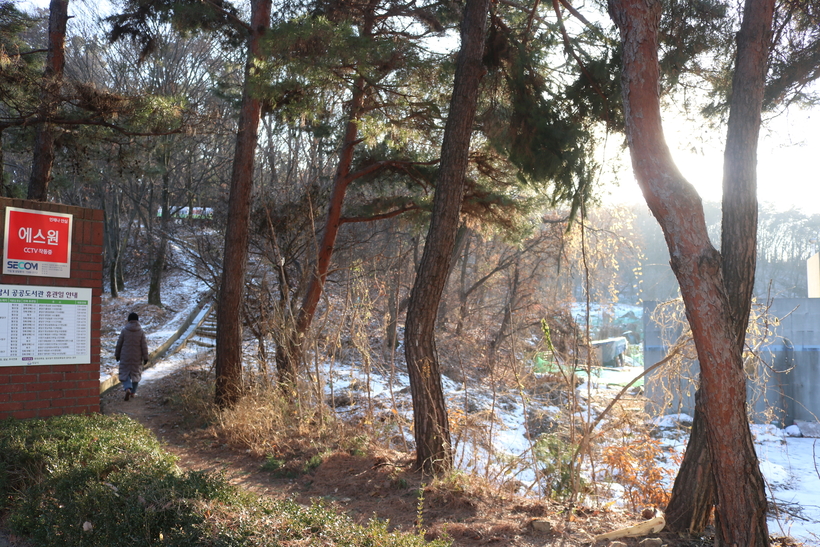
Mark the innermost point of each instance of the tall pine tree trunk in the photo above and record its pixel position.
(234, 261)
(688, 510)
(693, 494)
(43, 159)
(158, 265)
(717, 310)
(432, 431)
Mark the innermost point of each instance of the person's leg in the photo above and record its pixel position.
(134, 388)
(127, 386)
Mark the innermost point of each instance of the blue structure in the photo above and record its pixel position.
(783, 386)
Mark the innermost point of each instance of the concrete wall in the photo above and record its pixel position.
(798, 351)
(49, 390)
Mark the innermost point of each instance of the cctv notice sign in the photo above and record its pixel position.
(44, 325)
(37, 243)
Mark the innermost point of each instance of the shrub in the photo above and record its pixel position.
(636, 465)
(554, 457)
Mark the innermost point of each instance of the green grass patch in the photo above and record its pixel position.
(105, 481)
(312, 464)
(279, 469)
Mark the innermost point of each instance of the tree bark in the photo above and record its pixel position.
(506, 314)
(432, 430)
(741, 507)
(690, 507)
(158, 265)
(739, 227)
(462, 287)
(693, 494)
(294, 348)
(234, 262)
(112, 240)
(394, 304)
(43, 153)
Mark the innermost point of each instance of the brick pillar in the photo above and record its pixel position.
(39, 391)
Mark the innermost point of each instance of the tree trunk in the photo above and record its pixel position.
(462, 288)
(158, 265)
(112, 239)
(432, 431)
(289, 363)
(283, 336)
(49, 100)
(506, 318)
(741, 508)
(391, 337)
(234, 262)
(688, 508)
(458, 247)
(739, 227)
(693, 495)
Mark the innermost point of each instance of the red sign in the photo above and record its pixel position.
(37, 243)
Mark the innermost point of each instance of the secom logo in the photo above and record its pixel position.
(13, 265)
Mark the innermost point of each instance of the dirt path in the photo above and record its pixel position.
(195, 449)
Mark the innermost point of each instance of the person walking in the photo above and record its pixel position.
(132, 354)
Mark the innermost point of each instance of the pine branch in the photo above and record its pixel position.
(381, 216)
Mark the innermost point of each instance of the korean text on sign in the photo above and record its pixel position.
(37, 236)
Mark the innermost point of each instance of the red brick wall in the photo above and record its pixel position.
(49, 390)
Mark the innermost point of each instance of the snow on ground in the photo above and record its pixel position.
(180, 297)
(790, 467)
(789, 463)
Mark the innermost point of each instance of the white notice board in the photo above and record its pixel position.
(44, 325)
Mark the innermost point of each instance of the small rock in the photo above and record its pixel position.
(651, 542)
(541, 525)
(87, 526)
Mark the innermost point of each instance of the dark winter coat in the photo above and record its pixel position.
(131, 352)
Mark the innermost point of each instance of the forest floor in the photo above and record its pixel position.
(365, 486)
(377, 483)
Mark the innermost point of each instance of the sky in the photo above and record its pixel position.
(788, 174)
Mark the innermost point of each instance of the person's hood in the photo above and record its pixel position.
(133, 325)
